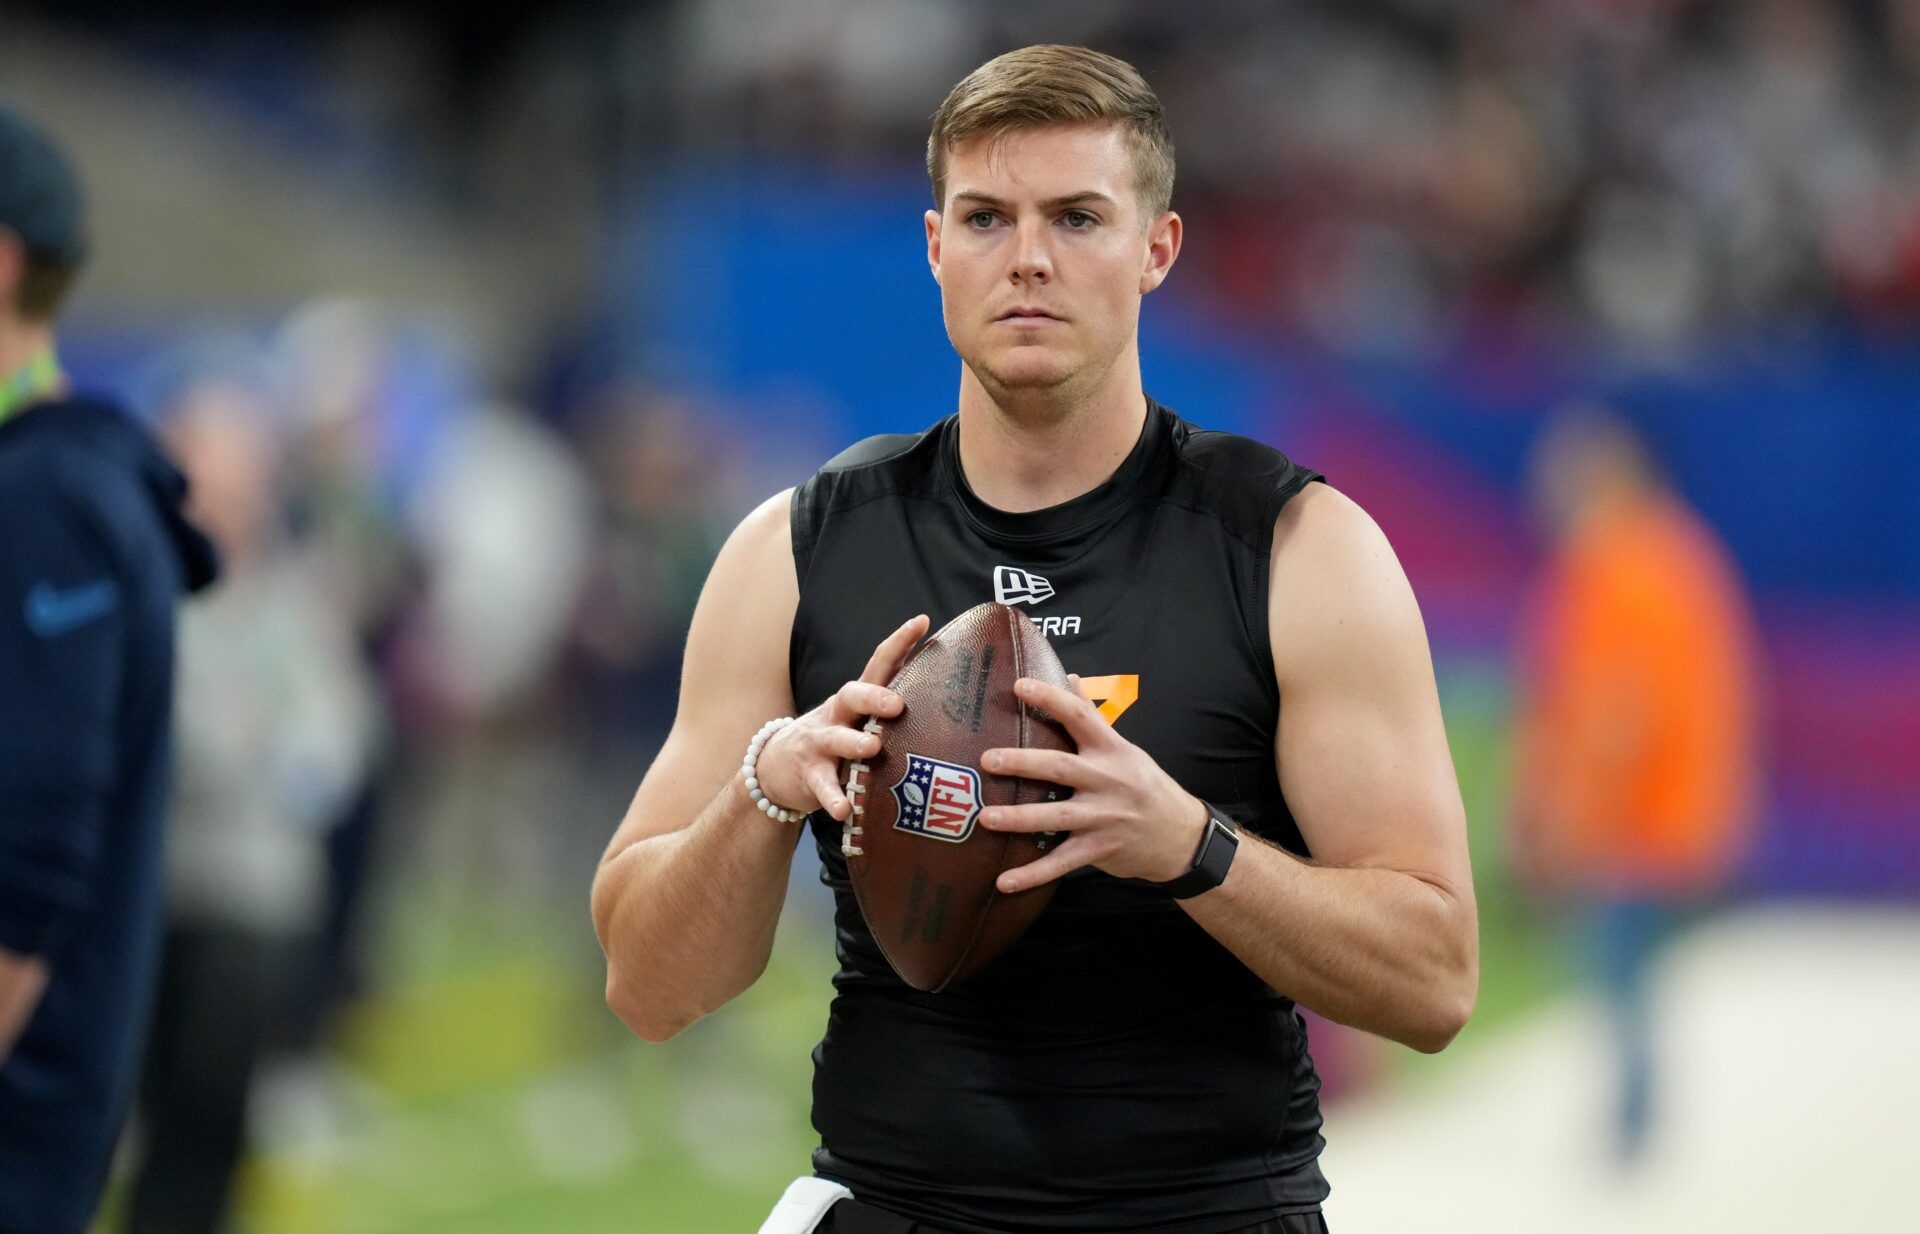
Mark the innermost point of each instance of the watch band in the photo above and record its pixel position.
(1211, 860)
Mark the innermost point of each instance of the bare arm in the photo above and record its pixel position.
(689, 892)
(22, 979)
(1380, 930)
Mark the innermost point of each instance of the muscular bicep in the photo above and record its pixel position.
(1361, 748)
(734, 678)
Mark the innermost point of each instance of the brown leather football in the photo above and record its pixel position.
(923, 869)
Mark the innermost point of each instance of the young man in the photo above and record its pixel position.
(93, 556)
(1135, 1063)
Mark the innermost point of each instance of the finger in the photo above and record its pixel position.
(1078, 687)
(1074, 711)
(1052, 766)
(827, 791)
(1038, 816)
(1076, 852)
(862, 698)
(847, 743)
(887, 656)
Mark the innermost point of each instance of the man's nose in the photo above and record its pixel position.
(1032, 258)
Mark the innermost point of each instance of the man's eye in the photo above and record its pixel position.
(980, 218)
(1079, 220)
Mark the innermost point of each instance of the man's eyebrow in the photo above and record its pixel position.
(1088, 198)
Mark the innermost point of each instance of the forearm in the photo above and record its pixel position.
(22, 980)
(687, 918)
(1381, 950)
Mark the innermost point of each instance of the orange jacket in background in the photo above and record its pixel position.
(1637, 766)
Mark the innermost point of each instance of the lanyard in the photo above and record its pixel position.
(40, 377)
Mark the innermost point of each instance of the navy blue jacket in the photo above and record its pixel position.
(94, 554)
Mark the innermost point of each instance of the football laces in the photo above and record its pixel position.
(856, 791)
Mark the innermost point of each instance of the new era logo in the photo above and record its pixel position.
(1011, 586)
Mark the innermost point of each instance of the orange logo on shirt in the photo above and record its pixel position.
(1112, 694)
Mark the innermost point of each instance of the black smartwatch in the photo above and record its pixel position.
(1211, 860)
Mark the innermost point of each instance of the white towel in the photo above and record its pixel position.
(800, 1209)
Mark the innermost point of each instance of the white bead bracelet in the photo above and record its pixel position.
(749, 764)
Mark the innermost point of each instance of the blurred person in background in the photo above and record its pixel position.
(659, 480)
(1636, 778)
(94, 553)
(277, 722)
(502, 522)
(333, 367)
(662, 479)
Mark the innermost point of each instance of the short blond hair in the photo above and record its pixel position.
(1055, 84)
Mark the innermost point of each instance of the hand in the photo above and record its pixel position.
(799, 768)
(1126, 816)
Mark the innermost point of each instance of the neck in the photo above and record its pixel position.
(28, 371)
(21, 343)
(1606, 500)
(1025, 452)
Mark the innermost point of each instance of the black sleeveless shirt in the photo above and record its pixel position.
(1118, 1069)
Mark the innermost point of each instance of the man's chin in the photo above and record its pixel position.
(1025, 376)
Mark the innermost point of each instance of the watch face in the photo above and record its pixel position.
(1211, 863)
(1222, 842)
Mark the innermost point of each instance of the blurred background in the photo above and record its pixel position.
(478, 327)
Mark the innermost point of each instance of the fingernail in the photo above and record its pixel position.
(991, 760)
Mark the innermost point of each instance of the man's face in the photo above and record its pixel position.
(1042, 255)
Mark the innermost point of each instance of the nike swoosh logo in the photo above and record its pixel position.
(52, 612)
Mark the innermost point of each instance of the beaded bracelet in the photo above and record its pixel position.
(748, 765)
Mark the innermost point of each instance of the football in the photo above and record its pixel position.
(922, 867)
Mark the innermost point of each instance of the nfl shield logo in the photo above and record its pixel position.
(937, 799)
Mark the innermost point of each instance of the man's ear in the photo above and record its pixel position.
(933, 243)
(1163, 249)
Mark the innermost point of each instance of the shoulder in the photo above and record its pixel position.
(89, 474)
(1324, 523)
(764, 536)
(57, 462)
(1336, 587)
(744, 618)
(884, 463)
(875, 467)
(872, 452)
(750, 588)
(1243, 482)
(1228, 458)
